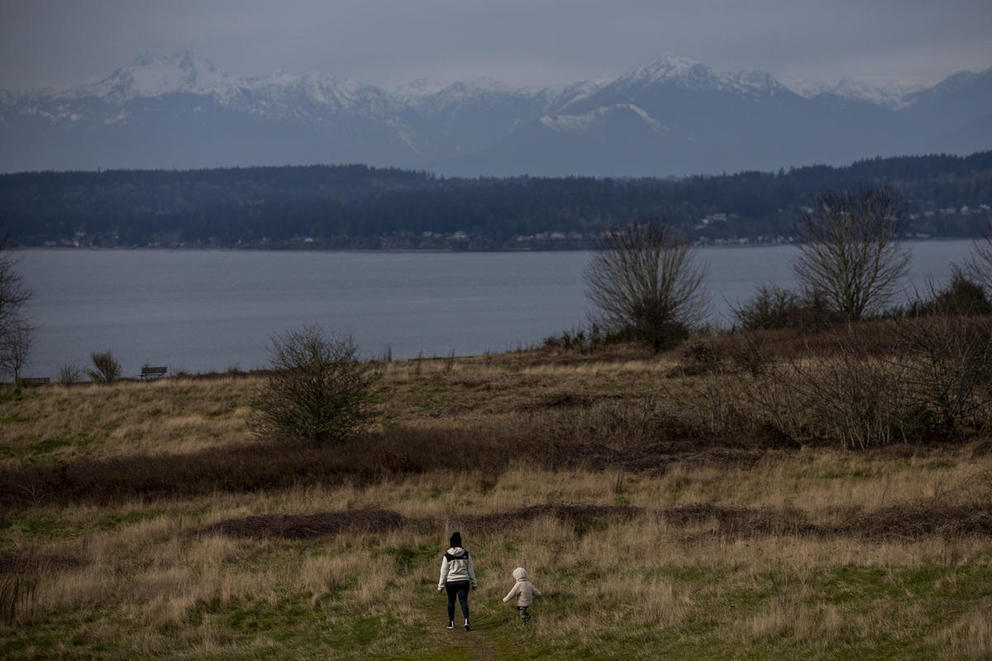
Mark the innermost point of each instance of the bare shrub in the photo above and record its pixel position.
(773, 403)
(108, 369)
(947, 372)
(318, 390)
(69, 374)
(979, 266)
(853, 398)
(713, 401)
(770, 307)
(849, 396)
(645, 281)
(774, 307)
(934, 377)
(960, 296)
(849, 252)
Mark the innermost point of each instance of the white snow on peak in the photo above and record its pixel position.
(890, 92)
(693, 75)
(583, 122)
(326, 90)
(562, 96)
(288, 94)
(456, 95)
(153, 76)
(150, 75)
(484, 86)
(415, 89)
(668, 68)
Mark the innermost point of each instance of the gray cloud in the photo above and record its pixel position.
(62, 42)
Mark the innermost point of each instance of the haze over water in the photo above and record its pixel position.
(203, 311)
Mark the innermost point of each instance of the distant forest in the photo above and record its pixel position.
(355, 206)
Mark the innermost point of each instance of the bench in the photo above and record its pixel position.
(31, 382)
(153, 372)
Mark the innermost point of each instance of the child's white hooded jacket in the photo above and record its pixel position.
(523, 589)
(456, 566)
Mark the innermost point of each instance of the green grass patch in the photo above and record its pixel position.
(122, 519)
(50, 525)
(48, 445)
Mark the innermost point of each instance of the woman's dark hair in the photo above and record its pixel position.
(456, 539)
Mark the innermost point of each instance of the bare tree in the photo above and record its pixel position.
(849, 252)
(15, 333)
(318, 390)
(645, 280)
(16, 348)
(979, 267)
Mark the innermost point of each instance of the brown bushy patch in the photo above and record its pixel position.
(579, 517)
(741, 521)
(305, 526)
(329, 524)
(909, 522)
(13, 563)
(899, 523)
(656, 458)
(724, 349)
(366, 460)
(256, 468)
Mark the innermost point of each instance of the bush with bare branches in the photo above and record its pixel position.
(849, 252)
(979, 266)
(318, 390)
(948, 371)
(645, 281)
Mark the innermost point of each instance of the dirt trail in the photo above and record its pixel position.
(478, 643)
(475, 644)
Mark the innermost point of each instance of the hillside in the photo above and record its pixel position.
(144, 519)
(362, 207)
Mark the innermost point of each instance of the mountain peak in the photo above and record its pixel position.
(151, 75)
(690, 74)
(670, 68)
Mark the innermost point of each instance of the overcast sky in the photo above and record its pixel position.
(58, 43)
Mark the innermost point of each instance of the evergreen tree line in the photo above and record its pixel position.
(360, 206)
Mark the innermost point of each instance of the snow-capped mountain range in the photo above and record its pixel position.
(674, 116)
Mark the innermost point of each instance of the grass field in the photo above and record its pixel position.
(143, 520)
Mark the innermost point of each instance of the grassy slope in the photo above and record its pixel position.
(737, 550)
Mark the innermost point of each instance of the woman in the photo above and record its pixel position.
(457, 576)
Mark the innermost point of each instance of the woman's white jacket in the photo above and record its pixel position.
(456, 566)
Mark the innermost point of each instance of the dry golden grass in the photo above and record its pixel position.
(163, 416)
(154, 576)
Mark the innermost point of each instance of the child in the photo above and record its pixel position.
(524, 591)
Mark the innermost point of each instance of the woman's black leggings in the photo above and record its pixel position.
(459, 588)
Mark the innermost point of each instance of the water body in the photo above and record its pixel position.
(203, 311)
